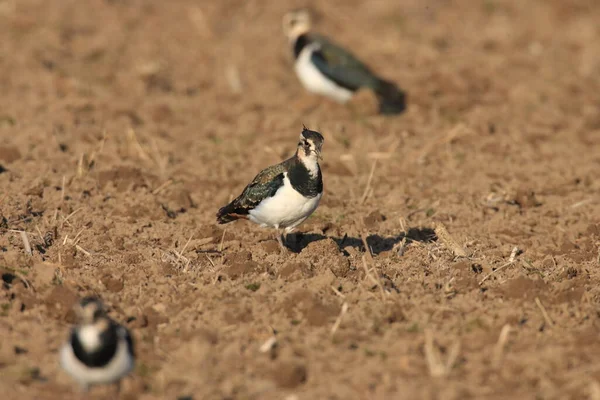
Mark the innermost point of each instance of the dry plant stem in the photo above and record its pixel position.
(69, 216)
(62, 193)
(210, 261)
(80, 166)
(268, 344)
(511, 261)
(338, 321)
(368, 256)
(337, 292)
(544, 312)
(436, 366)
(26, 244)
(582, 203)
(373, 279)
(500, 345)
(186, 245)
(161, 187)
(132, 138)
(222, 240)
(84, 251)
(368, 187)
(443, 234)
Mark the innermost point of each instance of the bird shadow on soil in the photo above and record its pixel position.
(378, 244)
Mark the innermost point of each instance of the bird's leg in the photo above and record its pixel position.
(83, 391)
(281, 239)
(117, 388)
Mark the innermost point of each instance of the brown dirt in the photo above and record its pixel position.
(122, 131)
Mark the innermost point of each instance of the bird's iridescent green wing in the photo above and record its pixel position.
(341, 66)
(264, 185)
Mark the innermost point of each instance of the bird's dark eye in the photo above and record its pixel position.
(306, 144)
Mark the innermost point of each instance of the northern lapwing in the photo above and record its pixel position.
(282, 196)
(327, 69)
(99, 350)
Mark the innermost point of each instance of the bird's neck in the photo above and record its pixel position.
(305, 175)
(310, 162)
(299, 42)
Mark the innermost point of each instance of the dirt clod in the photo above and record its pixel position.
(290, 374)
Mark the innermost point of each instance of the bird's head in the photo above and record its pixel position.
(90, 310)
(296, 23)
(310, 145)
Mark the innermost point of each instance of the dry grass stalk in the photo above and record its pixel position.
(26, 244)
(268, 344)
(338, 321)
(232, 74)
(500, 345)
(369, 256)
(369, 180)
(437, 367)
(400, 247)
(62, 192)
(80, 170)
(582, 203)
(511, 260)
(222, 241)
(22, 279)
(337, 292)
(443, 234)
(373, 279)
(161, 187)
(210, 261)
(180, 254)
(544, 312)
(69, 216)
(84, 251)
(134, 143)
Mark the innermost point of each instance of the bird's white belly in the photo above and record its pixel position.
(120, 365)
(314, 81)
(286, 209)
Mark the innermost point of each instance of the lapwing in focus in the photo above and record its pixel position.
(327, 69)
(99, 351)
(282, 196)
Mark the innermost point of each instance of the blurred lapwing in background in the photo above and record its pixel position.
(327, 69)
(99, 350)
(282, 196)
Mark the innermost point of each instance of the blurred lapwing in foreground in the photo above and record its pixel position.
(325, 68)
(99, 350)
(282, 196)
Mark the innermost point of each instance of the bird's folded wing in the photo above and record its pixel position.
(264, 185)
(340, 66)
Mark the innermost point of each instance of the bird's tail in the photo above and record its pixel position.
(229, 213)
(392, 100)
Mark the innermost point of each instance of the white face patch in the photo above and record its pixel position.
(311, 162)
